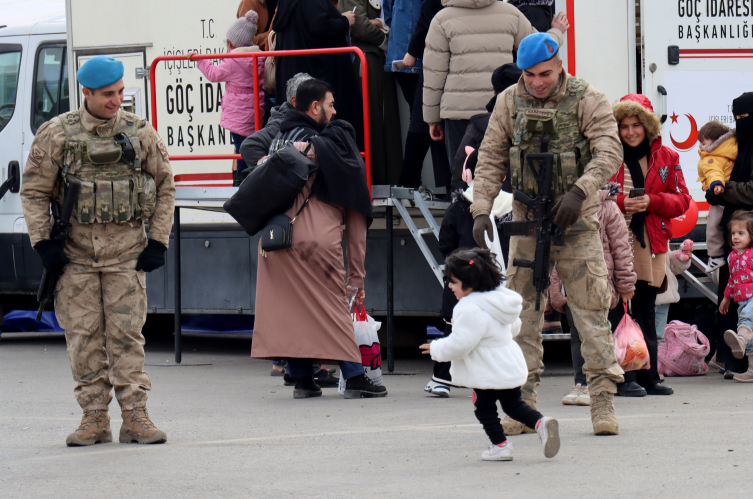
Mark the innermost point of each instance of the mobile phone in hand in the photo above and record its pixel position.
(397, 65)
(634, 193)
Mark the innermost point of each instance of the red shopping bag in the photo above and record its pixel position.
(629, 346)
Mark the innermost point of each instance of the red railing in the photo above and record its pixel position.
(280, 88)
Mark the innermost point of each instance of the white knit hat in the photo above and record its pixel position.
(241, 33)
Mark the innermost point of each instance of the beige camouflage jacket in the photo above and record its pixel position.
(597, 123)
(95, 244)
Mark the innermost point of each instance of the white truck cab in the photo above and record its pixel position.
(33, 89)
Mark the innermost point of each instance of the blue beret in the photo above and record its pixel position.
(536, 48)
(100, 71)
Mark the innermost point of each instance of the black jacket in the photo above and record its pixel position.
(417, 43)
(257, 145)
(456, 232)
(295, 127)
(316, 24)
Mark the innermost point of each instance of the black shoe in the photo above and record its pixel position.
(659, 389)
(325, 379)
(361, 386)
(630, 389)
(288, 380)
(728, 374)
(305, 388)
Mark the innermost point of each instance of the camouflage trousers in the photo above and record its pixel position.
(580, 263)
(102, 311)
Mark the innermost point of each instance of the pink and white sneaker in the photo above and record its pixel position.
(498, 452)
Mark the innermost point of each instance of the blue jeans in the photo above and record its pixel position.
(661, 312)
(300, 368)
(745, 318)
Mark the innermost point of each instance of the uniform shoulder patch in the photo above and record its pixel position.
(163, 150)
(36, 155)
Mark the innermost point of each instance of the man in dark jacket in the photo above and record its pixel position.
(316, 24)
(256, 146)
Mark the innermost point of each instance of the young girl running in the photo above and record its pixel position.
(483, 353)
(740, 289)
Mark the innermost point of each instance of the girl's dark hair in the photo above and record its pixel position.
(474, 268)
(741, 217)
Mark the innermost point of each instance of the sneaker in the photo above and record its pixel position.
(549, 433)
(498, 452)
(361, 386)
(712, 268)
(306, 387)
(438, 389)
(572, 397)
(584, 398)
(325, 379)
(729, 374)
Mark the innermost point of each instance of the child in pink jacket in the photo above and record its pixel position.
(238, 74)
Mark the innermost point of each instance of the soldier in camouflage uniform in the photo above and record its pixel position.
(100, 299)
(577, 119)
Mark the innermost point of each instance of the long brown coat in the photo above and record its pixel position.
(301, 302)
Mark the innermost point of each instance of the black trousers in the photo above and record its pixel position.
(442, 369)
(644, 314)
(724, 322)
(512, 405)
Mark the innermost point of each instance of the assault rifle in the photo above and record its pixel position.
(59, 235)
(542, 225)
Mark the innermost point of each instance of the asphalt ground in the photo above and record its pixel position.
(235, 431)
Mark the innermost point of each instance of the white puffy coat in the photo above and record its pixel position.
(481, 346)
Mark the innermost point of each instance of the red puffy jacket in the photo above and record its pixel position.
(666, 187)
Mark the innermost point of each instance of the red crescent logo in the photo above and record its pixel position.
(690, 142)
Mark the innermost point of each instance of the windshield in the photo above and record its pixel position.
(10, 62)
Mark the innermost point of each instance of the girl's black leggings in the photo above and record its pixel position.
(512, 405)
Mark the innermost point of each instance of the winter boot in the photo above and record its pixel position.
(361, 386)
(94, 429)
(306, 387)
(747, 376)
(738, 341)
(602, 414)
(137, 427)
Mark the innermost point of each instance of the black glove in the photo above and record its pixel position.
(481, 224)
(713, 199)
(52, 255)
(567, 209)
(153, 256)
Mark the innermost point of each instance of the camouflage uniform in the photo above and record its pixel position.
(581, 259)
(100, 299)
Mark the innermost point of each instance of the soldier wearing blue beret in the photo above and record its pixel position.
(575, 121)
(124, 178)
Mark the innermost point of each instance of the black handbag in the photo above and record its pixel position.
(270, 189)
(278, 234)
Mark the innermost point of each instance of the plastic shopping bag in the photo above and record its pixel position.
(629, 346)
(365, 329)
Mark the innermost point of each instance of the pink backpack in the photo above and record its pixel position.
(683, 351)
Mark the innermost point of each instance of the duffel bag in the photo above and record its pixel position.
(271, 189)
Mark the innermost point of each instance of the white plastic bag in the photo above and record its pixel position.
(365, 329)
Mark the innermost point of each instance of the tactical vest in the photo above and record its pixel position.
(113, 189)
(570, 147)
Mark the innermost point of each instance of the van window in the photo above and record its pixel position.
(10, 63)
(50, 85)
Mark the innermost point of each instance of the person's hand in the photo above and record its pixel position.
(482, 224)
(301, 146)
(724, 306)
(377, 23)
(351, 17)
(637, 205)
(409, 61)
(718, 190)
(360, 297)
(426, 348)
(191, 54)
(567, 210)
(560, 22)
(153, 256)
(53, 258)
(626, 297)
(262, 160)
(436, 132)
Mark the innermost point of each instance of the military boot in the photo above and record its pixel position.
(137, 427)
(94, 428)
(602, 414)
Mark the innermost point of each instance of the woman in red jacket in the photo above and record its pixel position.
(651, 166)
